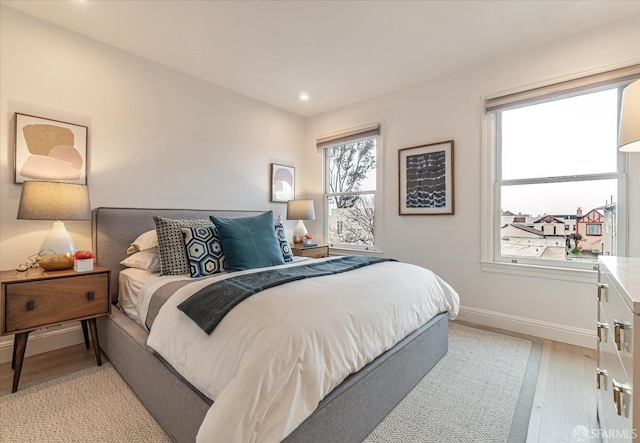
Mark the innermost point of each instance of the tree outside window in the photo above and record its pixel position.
(351, 193)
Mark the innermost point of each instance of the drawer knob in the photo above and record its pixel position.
(600, 373)
(619, 389)
(601, 286)
(30, 305)
(618, 326)
(601, 326)
(90, 295)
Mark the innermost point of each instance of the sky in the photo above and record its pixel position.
(567, 137)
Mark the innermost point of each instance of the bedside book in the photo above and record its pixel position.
(309, 245)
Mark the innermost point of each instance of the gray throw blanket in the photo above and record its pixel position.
(208, 306)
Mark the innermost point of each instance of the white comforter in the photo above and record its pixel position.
(277, 354)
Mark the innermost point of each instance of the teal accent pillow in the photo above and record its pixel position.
(249, 242)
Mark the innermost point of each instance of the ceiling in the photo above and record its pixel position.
(339, 52)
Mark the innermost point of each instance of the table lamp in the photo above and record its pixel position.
(300, 210)
(58, 202)
(629, 133)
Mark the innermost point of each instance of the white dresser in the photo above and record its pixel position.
(618, 372)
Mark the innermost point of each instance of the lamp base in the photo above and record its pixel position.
(299, 232)
(57, 249)
(55, 262)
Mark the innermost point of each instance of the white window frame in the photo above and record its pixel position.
(377, 194)
(491, 259)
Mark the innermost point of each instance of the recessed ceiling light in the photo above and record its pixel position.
(304, 96)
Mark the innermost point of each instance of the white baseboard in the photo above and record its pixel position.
(44, 341)
(538, 328)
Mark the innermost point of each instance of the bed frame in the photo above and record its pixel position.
(348, 414)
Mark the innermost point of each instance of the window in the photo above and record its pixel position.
(351, 166)
(554, 154)
(593, 229)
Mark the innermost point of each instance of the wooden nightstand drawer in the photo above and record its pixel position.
(45, 302)
(37, 300)
(310, 251)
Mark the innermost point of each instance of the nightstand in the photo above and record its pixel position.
(44, 300)
(319, 251)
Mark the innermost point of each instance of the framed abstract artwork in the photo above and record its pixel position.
(283, 182)
(50, 150)
(426, 179)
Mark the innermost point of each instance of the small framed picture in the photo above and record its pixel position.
(283, 182)
(426, 179)
(50, 150)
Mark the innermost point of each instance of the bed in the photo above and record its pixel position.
(346, 414)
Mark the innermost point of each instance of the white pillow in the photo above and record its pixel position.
(147, 259)
(147, 240)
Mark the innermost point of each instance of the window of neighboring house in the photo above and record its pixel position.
(351, 190)
(594, 229)
(555, 155)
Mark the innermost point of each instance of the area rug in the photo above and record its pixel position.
(92, 405)
(481, 391)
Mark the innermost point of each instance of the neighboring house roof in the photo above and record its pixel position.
(592, 216)
(549, 219)
(526, 229)
(565, 217)
(508, 214)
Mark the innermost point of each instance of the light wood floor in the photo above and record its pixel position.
(564, 398)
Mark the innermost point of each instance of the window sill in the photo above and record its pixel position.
(546, 272)
(333, 250)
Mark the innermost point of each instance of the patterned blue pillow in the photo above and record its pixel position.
(204, 251)
(173, 257)
(284, 244)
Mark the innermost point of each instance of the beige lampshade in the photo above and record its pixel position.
(54, 201)
(629, 133)
(300, 210)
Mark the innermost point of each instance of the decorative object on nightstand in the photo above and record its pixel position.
(300, 210)
(316, 251)
(308, 240)
(83, 261)
(55, 201)
(51, 299)
(629, 133)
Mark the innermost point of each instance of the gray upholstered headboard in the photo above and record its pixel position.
(114, 229)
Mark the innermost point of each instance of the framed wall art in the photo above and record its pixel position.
(50, 150)
(283, 182)
(426, 179)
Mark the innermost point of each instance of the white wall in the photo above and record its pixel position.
(451, 107)
(157, 137)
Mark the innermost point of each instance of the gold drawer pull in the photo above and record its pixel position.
(601, 326)
(601, 286)
(600, 373)
(618, 326)
(618, 389)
